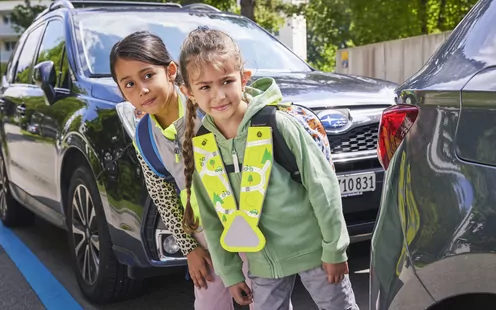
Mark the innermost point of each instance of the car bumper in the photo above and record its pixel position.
(145, 257)
(360, 212)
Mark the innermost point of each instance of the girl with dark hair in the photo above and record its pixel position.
(148, 78)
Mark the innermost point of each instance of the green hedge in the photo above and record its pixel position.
(3, 66)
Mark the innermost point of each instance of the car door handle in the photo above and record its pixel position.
(21, 109)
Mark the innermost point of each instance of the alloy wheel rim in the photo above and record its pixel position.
(85, 234)
(3, 190)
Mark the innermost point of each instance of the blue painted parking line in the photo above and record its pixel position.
(52, 294)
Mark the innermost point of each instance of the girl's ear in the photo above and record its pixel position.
(245, 77)
(187, 92)
(172, 71)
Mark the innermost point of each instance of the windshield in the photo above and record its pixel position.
(97, 33)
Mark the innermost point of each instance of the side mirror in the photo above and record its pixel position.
(45, 77)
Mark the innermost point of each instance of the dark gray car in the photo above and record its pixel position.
(434, 241)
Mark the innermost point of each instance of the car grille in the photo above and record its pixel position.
(358, 139)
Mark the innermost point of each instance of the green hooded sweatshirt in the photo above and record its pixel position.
(303, 223)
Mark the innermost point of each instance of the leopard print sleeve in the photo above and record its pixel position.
(169, 206)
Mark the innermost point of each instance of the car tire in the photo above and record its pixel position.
(12, 213)
(99, 274)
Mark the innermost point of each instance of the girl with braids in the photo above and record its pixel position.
(301, 228)
(146, 75)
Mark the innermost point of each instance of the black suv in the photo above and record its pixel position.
(67, 157)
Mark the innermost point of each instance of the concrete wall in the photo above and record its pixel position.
(293, 32)
(392, 60)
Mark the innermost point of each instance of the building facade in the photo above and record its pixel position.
(8, 36)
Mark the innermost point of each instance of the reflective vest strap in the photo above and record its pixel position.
(257, 165)
(210, 167)
(241, 232)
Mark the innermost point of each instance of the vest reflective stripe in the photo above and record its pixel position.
(241, 232)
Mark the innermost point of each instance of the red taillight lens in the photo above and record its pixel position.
(395, 123)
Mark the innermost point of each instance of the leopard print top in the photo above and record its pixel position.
(169, 206)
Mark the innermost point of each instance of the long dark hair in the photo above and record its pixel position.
(142, 46)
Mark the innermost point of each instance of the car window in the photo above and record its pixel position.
(97, 33)
(52, 46)
(24, 66)
(14, 57)
(65, 73)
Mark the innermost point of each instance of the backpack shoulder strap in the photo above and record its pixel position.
(148, 148)
(282, 154)
(202, 131)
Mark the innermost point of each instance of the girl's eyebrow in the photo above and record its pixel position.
(227, 76)
(141, 71)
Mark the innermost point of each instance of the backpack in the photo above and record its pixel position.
(148, 148)
(282, 154)
(265, 117)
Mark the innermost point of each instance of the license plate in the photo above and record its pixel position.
(356, 184)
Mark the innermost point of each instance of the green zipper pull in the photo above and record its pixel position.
(235, 159)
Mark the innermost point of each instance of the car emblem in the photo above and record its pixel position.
(334, 121)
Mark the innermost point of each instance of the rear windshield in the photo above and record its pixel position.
(98, 32)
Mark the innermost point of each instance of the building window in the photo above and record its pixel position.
(6, 19)
(9, 45)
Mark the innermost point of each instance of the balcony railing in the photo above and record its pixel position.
(4, 57)
(7, 30)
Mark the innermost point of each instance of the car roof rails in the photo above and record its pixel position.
(201, 6)
(100, 3)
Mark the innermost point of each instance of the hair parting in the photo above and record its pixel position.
(190, 222)
(207, 46)
(141, 46)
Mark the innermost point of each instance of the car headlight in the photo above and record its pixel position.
(129, 117)
(170, 245)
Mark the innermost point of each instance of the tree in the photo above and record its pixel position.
(328, 28)
(334, 24)
(23, 15)
(217, 199)
(266, 156)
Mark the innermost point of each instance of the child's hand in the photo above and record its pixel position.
(335, 272)
(198, 262)
(237, 290)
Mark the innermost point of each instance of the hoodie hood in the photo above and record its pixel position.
(260, 93)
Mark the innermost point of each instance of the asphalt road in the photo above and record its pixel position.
(49, 244)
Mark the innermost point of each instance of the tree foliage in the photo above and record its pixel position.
(23, 15)
(331, 24)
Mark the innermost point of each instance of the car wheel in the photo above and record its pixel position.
(100, 276)
(12, 213)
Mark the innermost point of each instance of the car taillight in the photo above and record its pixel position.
(395, 123)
